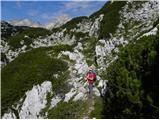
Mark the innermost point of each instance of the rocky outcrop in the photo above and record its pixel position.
(133, 24)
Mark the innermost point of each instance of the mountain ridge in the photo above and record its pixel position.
(78, 44)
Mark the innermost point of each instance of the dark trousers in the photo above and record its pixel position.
(90, 89)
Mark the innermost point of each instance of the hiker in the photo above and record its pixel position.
(91, 75)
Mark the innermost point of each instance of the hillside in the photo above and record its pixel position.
(42, 70)
(8, 30)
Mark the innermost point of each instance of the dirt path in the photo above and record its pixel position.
(90, 106)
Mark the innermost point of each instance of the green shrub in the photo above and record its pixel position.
(60, 84)
(32, 33)
(54, 30)
(133, 81)
(67, 110)
(61, 47)
(28, 69)
(79, 35)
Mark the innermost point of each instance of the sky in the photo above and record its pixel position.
(46, 11)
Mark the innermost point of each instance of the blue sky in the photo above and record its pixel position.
(45, 11)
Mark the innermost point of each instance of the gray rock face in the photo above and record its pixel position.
(138, 21)
(9, 115)
(34, 102)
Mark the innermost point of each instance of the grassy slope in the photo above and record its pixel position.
(32, 33)
(29, 69)
(111, 17)
(67, 110)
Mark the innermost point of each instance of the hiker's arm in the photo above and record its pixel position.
(84, 77)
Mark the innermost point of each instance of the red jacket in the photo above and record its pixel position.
(90, 77)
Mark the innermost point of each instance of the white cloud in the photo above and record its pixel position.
(81, 7)
(52, 16)
(33, 12)
(45, 16)
(77, 5)
(18, 4)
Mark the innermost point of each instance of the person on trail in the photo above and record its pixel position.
(91, 75)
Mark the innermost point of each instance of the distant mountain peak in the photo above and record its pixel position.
(25, 22)
(58, 21)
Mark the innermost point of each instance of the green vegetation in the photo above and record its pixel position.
(49, 98)
(54, 30)
(72, 23)
(133, 81)
(28, 69)
(111, 17)
(60, 47)
(67, 110)
(59, 82)
(10, 30)
(133, 78)
(89, 50)
(79, 35)
(28, 35)
(98, 109)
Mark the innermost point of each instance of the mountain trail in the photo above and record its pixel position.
(90, 106)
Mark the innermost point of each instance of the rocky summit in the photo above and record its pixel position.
(42, 69)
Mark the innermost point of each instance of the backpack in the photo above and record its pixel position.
(94, 72)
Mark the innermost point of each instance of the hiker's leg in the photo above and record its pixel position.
(89, 86)
(90, 89)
